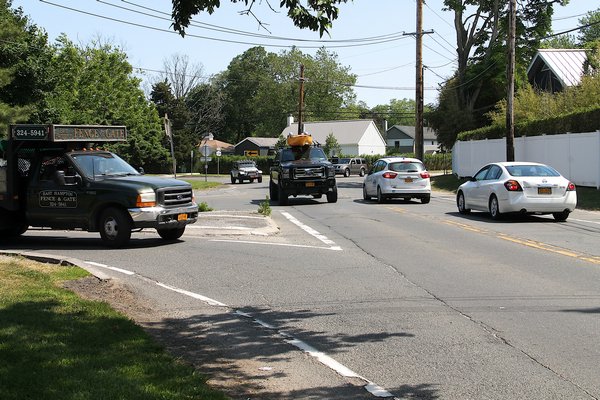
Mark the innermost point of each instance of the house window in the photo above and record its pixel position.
(397, 144)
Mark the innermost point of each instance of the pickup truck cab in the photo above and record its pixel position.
(54, 180)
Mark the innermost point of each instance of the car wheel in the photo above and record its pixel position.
(232, 179)
(460, 203)
(273, 190)
(115, 227)
(561, 216)
(362, 172)
(260, 180)
(347, 173)
(251, 180)
(425, 200)
(365, 194)
(332, 196)
(380, 197)
(171, 234)
(282, 196)
(495, 208)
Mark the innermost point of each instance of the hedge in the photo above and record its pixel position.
(587, 120)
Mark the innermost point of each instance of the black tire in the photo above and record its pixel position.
(380, 196)
(171, 234)
(494, 207)
(282, 196)
(232, 179)
(332, 196)
(425, 200)
(561, 216)
(365, 195)
(251, 180)
(260, 179)
(273, 192)
(460, 203)
(346, 173)
(362, 172)
(115, 227)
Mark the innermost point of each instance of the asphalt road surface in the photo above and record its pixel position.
(363, 300)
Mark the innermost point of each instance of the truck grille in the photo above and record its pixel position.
(170, 197)
(309, 173)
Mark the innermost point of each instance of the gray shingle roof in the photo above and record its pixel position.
(261, 141)
(428, 133)
(346, 132)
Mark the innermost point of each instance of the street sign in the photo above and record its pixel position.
(30, 132)
(218, 153)
(251, 153)
(206, 151)
(205, 159)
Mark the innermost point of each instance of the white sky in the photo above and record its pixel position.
(388, 66)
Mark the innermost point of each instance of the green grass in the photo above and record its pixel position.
(202, 185)
(54, 345)
(587, 198)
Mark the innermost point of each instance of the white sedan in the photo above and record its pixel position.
(398, 177)
(523, 187)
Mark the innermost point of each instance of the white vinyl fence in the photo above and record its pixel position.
(574, 155)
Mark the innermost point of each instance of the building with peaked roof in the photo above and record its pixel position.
(256, 146)
(355, 137)
(215, 145)
(401, 139)
(552, 70)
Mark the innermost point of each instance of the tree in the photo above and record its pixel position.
(316, 16)
(332, 147)
(181, 75)
(591, 31)
(94, 84)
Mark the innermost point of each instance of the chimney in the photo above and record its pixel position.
(290, 120)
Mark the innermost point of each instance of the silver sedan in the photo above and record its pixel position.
(517, 187)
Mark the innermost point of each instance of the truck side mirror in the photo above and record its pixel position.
(141, 170)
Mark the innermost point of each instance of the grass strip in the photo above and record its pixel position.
(55, 345)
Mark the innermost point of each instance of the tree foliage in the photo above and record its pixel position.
(316, 15)
(591, 31)
(332, 147)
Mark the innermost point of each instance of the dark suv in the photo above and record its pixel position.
(304, 171)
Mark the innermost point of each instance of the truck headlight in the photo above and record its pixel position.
(146, 199)
(331, 172)
(286, 173)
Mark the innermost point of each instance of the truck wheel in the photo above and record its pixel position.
(115, 227)
(273, 193)
(282, 196)
(332, 196)
(171, 234)
(260, 179)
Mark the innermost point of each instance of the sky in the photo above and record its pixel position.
(385, 70)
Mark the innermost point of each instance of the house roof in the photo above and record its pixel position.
(261, 141)
(566, 64)
(215, 144)
(428, 133)
(346, 132)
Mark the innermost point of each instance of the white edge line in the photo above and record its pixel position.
(335, 248)
(123, 271)
(193, 295)
(308, 229)
(584, 220)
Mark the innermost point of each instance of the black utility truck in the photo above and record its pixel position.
(302, 168)
(56, 176)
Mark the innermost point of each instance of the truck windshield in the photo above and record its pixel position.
(101, 165)
(303, 153)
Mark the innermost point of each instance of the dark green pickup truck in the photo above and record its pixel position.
(50, 177)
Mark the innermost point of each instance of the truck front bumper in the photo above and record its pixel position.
(308, 187)
(162, 217)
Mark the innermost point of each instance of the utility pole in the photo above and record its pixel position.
(301, 101)
(170, 136)
(419, 84)
(510, 78)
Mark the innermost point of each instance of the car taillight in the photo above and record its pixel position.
(570, 187)
(513, 186)
(389, 175)
(425, 175)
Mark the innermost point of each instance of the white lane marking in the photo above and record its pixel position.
(323, 358)
(335, 248)
(205, 299)
(584, 220)
(309, 230)
(231, 227)
(123, 271)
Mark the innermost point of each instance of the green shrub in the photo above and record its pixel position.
(264, 208)
(203, 207)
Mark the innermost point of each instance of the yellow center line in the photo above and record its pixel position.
(465, 226)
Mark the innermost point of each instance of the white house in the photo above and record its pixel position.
(401, 138)
(355, 137)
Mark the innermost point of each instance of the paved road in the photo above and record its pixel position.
(398, 299)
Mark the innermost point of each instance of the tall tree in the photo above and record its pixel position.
(316, 16)
(591, 30)
(182, 75)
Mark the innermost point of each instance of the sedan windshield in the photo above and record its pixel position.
(101, 165)
(531, 170)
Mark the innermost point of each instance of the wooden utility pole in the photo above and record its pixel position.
(419, 84)
(301, 101)
(510, 78)
(170, 136)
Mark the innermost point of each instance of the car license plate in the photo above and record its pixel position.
(310, 184)
(544, 190)
(181, 217)
(408, 180)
